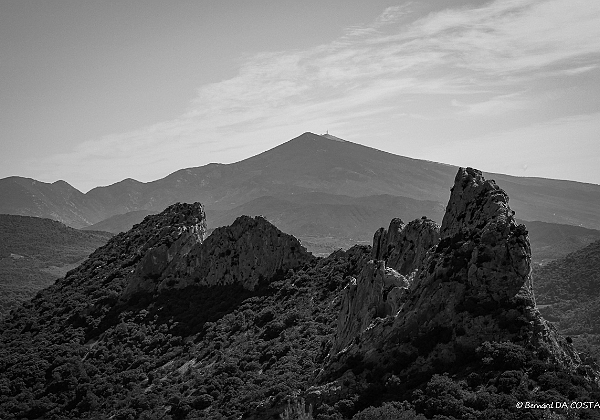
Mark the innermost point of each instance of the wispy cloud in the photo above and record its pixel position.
(516, 36)
(489, 55)
(494, 106)
(390, 15)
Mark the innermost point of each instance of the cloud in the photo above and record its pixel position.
(487, 55)
(390, 15)
(579, 70)
(494, 106)
(393, 13)
(515, 36)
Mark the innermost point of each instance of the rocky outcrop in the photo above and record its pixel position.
(171, 236)
(479, 230)
(403, 247)
(248, 251)
(177, 255)
(382, 285)
(377, 293)
(471, 286)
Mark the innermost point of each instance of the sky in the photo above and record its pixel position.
(93, 92)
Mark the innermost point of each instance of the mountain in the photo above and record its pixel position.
(59, 201)
(164, 322)
(34, 252)
(306, 164)
(312, 163)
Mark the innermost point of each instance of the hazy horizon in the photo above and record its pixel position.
(94, 92)
(247, 157)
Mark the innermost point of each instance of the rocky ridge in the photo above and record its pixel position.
(404, 247)
(383, 283)
(170, 250)
(175, 232)
(131, 312)
(248, 251)
(450, 296)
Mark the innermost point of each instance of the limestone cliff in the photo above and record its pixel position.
(170, 236)
(378, 292)
(249, 250)
(383, 283)
(176, 255)
(403, 247)
(471, 285)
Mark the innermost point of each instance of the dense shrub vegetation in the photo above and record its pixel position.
(76, 351)
(568, 294)
(571, 278)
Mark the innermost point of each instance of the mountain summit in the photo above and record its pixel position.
(308, 163)
(331, 137)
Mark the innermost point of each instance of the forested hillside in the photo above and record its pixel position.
(35, 252)
(568, 294)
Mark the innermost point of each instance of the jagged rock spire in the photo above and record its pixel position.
(490, 251)
(382, 286)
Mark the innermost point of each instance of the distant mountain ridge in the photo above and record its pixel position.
(306, 164)
(59, 201)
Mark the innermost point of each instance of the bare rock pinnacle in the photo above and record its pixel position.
(465, 284)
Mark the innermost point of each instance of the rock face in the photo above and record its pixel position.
(248, 251)
(174, 232)
(177, 255)
(479, 230)
(403, 247)
(452, 292)
(383, 283)
(377, 292)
